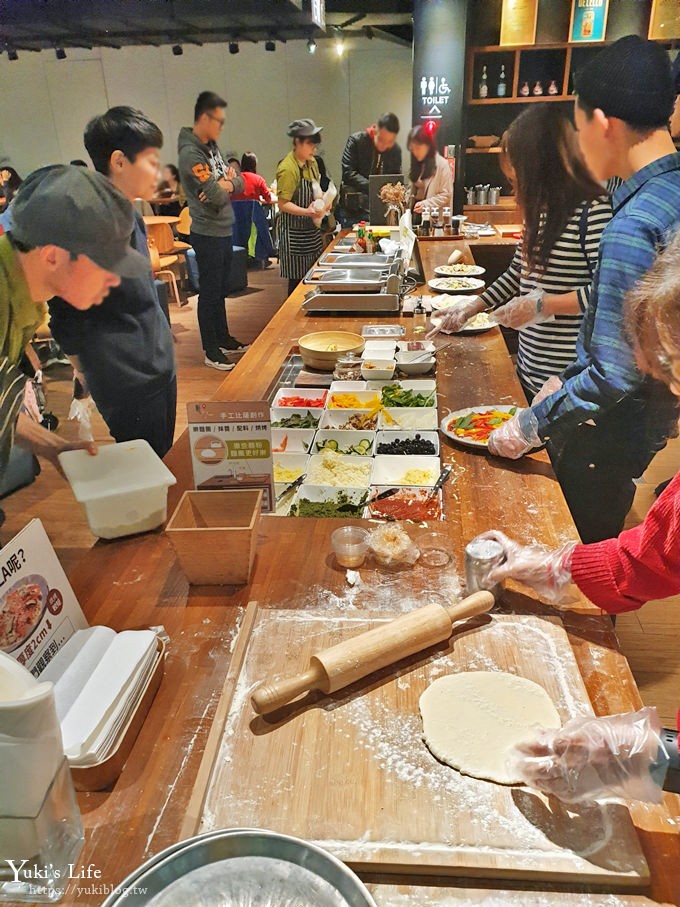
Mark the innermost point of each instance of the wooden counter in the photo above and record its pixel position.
(136, 582)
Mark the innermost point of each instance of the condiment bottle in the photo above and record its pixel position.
(370, 242)
(425, 228)
(419, 318)
(436, 223)
(481, 555)
(446, 220)
(361, 235)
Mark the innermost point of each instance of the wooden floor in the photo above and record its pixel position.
(648, 637)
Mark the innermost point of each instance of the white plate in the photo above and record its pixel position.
(382, 346)
(441, 285)
(482, 408)
(449, 271)
(484, 324)
(392, 470)
(299, 440)
(345, 440)
(441, 303)
(314, 395)
(408, 419)
(426, 346)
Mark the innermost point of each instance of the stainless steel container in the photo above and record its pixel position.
(481, 555)
(242, 865)
(494, 195)
(482, 193)
(470, 196)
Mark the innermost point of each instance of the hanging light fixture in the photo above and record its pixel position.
(233, 47)
(270, 46)
(339, 46)
(177, 50)
(12, 55)
(311, 46)
(60, 53)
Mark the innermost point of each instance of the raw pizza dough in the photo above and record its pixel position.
(470, 720)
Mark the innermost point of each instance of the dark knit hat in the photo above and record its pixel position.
(631, 80)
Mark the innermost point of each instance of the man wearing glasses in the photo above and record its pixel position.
(209, 184)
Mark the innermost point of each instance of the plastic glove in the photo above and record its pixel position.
(453, 318)
(553, 384)
(590, 758)
(522, 311)
(515, 437)
(547, 572)
(81, 411)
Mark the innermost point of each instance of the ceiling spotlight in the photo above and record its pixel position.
(311, 46)
(339, 46)
(233, 47)
(270, 46)
(60, 53)
(12, 54)
(177, 50)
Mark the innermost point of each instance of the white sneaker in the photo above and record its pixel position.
(221, 364)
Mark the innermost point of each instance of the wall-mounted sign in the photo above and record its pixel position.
(588, 20)
(518, 21)
(435, 92)
(664, 23)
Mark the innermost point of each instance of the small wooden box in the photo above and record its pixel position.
(214, 534)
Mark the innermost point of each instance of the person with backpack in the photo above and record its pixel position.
(545, 291)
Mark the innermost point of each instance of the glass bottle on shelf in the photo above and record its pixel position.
(419, 318)
(484, 84)
(502, 85)
(538, 89)
(525, 90)
(552, 88)
(446, 221)
(425, 228)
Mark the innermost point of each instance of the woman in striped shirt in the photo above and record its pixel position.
(544, 292)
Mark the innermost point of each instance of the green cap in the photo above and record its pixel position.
(80, 211)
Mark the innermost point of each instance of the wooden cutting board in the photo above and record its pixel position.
(350, 771)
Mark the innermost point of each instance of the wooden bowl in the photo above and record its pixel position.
(323, 348)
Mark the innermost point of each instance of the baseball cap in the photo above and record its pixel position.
(80, 211)
(303, 128)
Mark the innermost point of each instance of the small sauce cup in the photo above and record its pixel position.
(350, 545)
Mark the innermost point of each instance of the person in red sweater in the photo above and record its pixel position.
(256, 188)
(617, 754)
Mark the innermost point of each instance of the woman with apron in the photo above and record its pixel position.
(300, 242)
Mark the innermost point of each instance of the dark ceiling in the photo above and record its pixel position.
(39, 24)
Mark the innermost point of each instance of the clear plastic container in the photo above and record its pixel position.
(350, 546)
(124, 489)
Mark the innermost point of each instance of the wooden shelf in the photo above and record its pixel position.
(564, 98)
(495, 150)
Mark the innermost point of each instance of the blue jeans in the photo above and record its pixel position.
(213, 257)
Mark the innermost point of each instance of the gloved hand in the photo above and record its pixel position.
(553, 384)
(547, 572)
(515, 437)
(590, 758)
(81, 411)
(522, 311)
(453, 318)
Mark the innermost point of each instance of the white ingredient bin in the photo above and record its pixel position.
(124, 489)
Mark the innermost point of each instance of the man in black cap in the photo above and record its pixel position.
(70, 237)
(603, 418)
(372, 151)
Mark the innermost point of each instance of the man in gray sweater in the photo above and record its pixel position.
(209, 184)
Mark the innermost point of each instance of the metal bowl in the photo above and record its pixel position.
(242, 867)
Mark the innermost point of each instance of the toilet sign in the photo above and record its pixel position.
(435, 92)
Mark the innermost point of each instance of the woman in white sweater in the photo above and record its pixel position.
(430, 174)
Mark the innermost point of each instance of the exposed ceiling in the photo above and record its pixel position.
(38, 24)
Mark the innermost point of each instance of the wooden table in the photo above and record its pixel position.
(136, 582)
(152, 220)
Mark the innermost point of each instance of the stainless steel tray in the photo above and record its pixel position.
(355, 260)
(242, 866)
(347, 280)
(351, 302)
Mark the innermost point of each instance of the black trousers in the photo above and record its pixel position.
(292, 284)
(596, 467)
(213, 257)
(147, 416)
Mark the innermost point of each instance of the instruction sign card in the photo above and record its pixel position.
(38, 608)
(231, 446)
(588, 20)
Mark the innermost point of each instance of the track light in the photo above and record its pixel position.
(60, 53)
(311, 46)
(233, 47)
(270, 46)
(177, 50)
(12, 54)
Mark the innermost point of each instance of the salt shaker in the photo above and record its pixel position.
(481, 556)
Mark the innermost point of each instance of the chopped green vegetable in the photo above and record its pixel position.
(341, 505)
(295, 420)
(395, 395)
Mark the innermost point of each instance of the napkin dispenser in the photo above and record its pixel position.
(40, 828)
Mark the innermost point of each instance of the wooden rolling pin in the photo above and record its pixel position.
(355, 658)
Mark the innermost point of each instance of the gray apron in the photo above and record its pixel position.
(300, 242)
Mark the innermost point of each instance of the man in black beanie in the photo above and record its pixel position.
(603, 419)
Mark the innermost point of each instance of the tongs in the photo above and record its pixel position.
(443, 476)
(291, 487)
